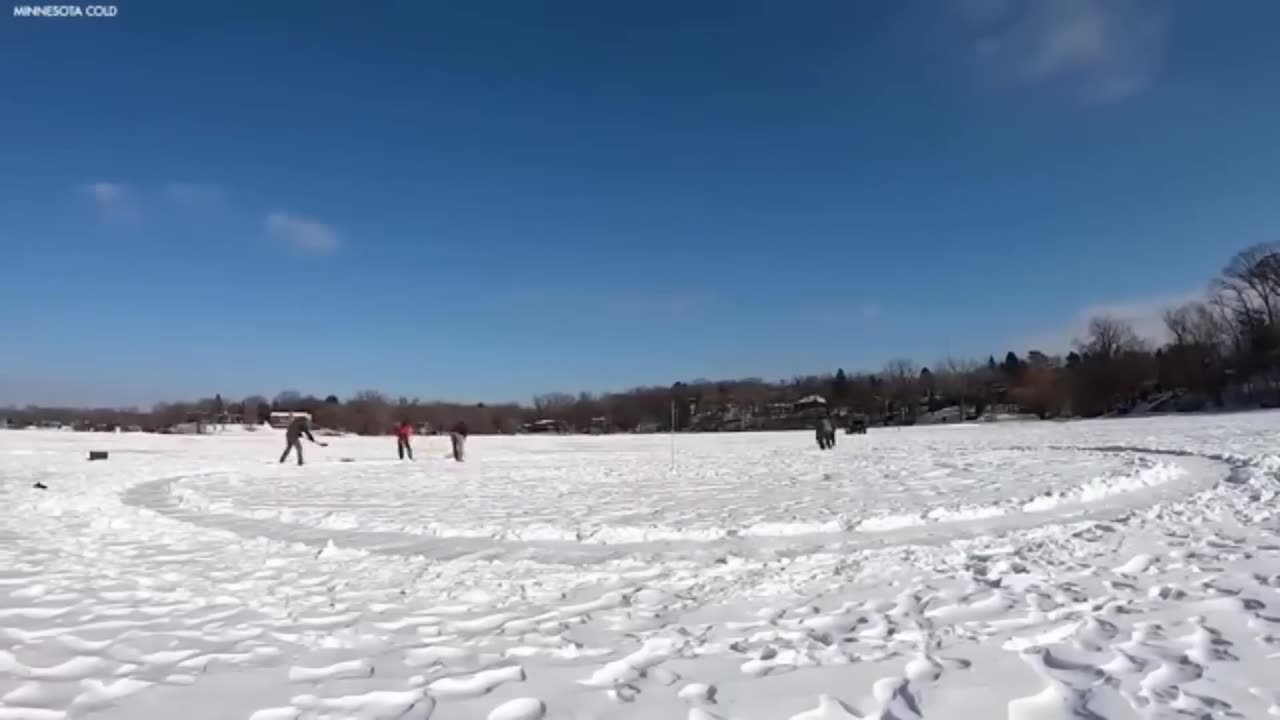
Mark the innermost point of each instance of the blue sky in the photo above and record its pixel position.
(488, 200)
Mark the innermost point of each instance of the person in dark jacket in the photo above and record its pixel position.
(458, 436)
(300, 426)
(404, 431)
(826, 434)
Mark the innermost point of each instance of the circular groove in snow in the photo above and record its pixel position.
(321, 504)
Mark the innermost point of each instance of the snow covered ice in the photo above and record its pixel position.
(1030, 571)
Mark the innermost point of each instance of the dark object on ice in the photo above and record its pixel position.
(97, 454)
(826, 434)
(458, 438)
(40, 486)
(857, 425)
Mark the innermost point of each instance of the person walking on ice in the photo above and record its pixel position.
(826, 434)
(403, 432)
(458, 436)
(300, 426)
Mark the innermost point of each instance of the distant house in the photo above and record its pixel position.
(810, 402)
(281, 418)
(544, 426)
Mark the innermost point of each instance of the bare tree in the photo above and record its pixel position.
(1178, 322)
(1250, 283)
(902, 377)
(1115, 368)
(958, 380)
(368, 413)
(553, 405)
(1196, 324)
(1041, 391)
(1110, 338)
(900, 370)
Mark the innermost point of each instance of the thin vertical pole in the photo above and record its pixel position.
(673, 435)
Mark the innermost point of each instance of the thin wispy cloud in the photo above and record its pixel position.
(1107, 50)
(107, 193)
(1144, 314)
(302, 233)
(123, 202)
(114, 201)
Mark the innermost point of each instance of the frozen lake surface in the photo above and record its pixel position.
(1031, 571)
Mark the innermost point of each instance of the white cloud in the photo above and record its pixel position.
(119, 202)
(106, 193)
(1108, 49)
(192, 194)
(1145, 314)
(302, 233)
(114, 201)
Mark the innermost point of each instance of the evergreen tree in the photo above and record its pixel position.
(1012, 366)
(840, 388)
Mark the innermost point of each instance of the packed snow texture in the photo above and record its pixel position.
(1030, 571)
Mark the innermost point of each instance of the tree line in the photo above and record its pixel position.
(1220, 350)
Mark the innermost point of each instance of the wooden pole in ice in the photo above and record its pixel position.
(673, 435)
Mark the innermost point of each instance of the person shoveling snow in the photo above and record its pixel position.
(300, 426)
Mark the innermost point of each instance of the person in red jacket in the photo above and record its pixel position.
(404, 431)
